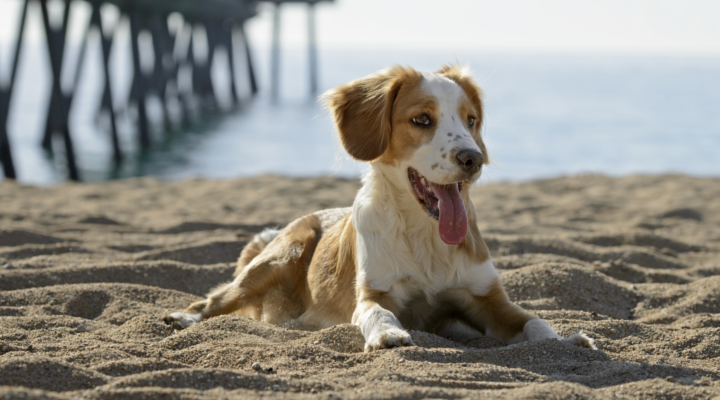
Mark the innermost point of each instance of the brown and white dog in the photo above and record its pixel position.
(408, 253)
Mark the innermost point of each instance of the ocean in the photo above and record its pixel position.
(546, 116)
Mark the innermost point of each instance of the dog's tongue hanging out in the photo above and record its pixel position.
(453, 219)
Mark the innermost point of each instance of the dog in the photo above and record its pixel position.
(408, 253)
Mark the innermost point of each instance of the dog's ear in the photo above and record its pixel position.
(362, 110)
(462, 77)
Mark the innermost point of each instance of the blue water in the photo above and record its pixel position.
(546, 115)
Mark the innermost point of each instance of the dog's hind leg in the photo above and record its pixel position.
(280, 268)
(254, 248)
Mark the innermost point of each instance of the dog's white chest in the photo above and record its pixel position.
(428, 280)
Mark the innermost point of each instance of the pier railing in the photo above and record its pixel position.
(218, 21)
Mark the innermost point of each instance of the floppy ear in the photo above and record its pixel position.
(362, 110)
(462, 77)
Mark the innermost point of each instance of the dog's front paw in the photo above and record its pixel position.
(391, 337)
(179, 320)
(581, 340)
(538, 329)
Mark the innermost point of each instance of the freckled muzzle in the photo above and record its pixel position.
(444, 203)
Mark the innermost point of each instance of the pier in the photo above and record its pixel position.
(176, 53)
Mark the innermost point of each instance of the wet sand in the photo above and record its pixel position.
(88, 271)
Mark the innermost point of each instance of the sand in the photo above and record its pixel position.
(88, 271)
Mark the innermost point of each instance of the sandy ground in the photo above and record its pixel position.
(88, 271)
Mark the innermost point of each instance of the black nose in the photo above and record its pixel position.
(469, 160)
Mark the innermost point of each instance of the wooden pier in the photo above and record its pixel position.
(217, 21)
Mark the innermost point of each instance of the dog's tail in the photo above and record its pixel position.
(255, 247)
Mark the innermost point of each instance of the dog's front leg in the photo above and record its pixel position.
(375, 316)
(378, 305)
(494, 313)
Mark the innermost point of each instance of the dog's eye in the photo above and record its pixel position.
(421, 120)
(471, 121)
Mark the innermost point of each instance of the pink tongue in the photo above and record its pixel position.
(453, 219)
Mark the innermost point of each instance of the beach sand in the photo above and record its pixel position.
(87, 273)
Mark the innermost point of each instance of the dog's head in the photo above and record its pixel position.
(427, 125)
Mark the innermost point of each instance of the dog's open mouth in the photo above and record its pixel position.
(442, 202)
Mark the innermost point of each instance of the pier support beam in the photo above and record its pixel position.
(107, 100)
(187, 62)
(248, 59)
(139, 84)
(163, 49)
(59, 109)
(6, 159)
(202, 80)
(312, 50)
(227, 36)
(275, 57)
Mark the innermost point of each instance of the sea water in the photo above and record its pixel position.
(546, 115)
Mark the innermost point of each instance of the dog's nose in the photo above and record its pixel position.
(469, 160)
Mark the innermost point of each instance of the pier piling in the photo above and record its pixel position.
(312, 50)
(59, 108)
(140, 84)
(6, 159)
(107, 97)
(275, 57)
(249, 63)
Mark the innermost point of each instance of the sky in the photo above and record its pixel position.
(653, 27)
(682, 27)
